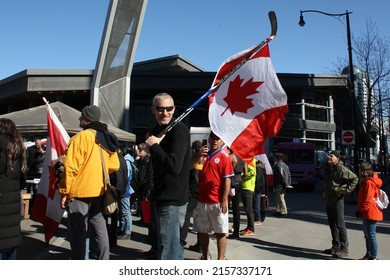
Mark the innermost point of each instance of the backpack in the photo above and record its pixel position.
(237, 179)
(382, 200)
(260, 180)
(119, 178)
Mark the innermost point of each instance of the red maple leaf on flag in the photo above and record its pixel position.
(237, 97)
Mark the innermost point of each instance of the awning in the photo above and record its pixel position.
(33, 121)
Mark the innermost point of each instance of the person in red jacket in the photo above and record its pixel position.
(367, 210)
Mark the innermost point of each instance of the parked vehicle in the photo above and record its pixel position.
(300, 158)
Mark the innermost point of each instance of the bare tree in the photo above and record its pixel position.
(372, 56)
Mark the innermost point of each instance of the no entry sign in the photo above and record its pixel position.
(348, 136)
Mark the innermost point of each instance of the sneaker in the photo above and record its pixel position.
(247, 232)
(330, 251)
(203, 258)
(233, 236)
(257, 223)
(124, 237)
(341, 254)
(373, 258)
(196, 248)
(366, 257)
(243, 230)
(151, 254)
(280, 215)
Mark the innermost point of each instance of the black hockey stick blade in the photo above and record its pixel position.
(274, 23)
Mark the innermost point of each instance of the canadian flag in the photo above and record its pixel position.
(250, 105)
(47, 207)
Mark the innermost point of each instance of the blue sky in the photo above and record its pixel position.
(58, 34)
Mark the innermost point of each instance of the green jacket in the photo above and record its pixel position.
(337, 179)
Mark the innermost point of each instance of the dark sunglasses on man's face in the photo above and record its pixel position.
(161, 109)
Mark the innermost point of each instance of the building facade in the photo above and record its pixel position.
(320, 106)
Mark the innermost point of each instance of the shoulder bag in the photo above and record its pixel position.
(110, 200)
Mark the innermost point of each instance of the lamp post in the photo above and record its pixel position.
(351, 75)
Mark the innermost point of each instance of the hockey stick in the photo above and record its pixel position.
(274, 29)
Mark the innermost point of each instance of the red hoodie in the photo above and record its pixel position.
(368, 191)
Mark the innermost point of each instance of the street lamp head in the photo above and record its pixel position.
(301, 21)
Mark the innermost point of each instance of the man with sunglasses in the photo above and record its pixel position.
(170, 154)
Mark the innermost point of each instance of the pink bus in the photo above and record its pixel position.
(300, 158)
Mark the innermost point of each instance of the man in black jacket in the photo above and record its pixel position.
(170, 156)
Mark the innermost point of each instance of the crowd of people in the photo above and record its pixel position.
(179, 181)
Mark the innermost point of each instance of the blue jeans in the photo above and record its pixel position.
(369, 228)
(170, 219)
(125, 215)
(8, 255)
(192, 202)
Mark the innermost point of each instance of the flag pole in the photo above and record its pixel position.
(274, 29)
(44, 100)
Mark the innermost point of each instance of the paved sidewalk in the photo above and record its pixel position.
(303, 235)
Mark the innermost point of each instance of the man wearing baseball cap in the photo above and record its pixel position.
(338, 182)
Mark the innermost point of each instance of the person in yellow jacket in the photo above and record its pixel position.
(248, 188)
(82, 185)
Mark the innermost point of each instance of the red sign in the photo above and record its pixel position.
(348, 136)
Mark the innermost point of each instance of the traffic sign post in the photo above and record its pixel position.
(348, 137)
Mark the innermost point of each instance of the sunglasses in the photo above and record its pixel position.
(161, 109)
